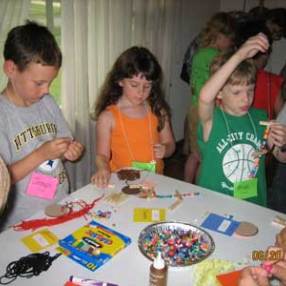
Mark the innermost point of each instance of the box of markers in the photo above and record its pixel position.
(93, 245)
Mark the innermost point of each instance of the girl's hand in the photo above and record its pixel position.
(253, 276)
(74, 151)
(159, 151)
(54, 149)
(101, 178)
(252, 46)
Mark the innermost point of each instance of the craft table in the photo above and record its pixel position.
(129, 267)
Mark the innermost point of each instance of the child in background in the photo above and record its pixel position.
(268, 87)
(33, 133)
(230, 135)
(133, 118)
(217, 37)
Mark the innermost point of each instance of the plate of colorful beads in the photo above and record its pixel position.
(181, 244)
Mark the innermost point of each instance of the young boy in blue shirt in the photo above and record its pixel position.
(230, 134)
(34, 135)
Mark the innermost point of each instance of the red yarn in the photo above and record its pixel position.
(38, 223)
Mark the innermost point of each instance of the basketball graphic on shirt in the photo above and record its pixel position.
(238, 162)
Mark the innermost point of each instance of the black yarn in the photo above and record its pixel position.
(27, 266)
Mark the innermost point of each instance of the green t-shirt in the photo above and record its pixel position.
(227, 156)
(201, 70)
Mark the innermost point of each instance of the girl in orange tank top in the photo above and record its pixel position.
(133, 118)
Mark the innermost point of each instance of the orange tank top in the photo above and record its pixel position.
(137, 132)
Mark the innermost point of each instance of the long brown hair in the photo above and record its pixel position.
(135, 61)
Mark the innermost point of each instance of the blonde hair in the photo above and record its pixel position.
(245, 72)
(221, 22)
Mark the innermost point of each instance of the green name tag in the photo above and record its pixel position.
(245, 189)
(151, 167)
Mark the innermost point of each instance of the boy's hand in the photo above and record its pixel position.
(54, 149)
(277, 134)
(252, 46)
(101, 178)
(74, 151)
(159, 151)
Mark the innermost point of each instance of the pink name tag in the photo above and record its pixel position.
(42, 186)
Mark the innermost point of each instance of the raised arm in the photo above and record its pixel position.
(214, 85)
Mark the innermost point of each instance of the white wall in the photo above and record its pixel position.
(192, 18)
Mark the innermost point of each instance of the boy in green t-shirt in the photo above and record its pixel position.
(230, 135)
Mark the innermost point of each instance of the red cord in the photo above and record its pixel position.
(38, 223)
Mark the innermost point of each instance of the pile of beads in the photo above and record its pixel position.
(179, 246)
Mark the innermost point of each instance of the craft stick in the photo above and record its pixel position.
(265, 123)
(178, 195)
(175, 204)
(116, 198)
(135, 186)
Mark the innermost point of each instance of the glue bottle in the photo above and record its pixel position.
(158, 272)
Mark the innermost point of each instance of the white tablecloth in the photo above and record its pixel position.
(129, 267)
